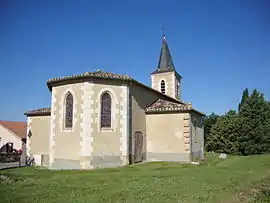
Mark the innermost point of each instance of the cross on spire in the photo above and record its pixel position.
(163, 32)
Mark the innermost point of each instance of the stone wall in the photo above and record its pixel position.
(87, 145)
(168, 137)
(38, 139)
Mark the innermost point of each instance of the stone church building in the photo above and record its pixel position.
(100, 119)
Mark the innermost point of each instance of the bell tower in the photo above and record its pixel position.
(165, 78)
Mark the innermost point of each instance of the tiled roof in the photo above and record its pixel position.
(39, 112)
(166, 106)
(162, 105)
(99, 74)
(16, 127)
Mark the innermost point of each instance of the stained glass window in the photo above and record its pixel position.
(69, 111)
(106, 108)
(162, 86)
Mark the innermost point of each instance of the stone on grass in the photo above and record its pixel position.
(223, 156)
(195, 163)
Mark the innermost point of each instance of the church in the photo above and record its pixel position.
(100, 119)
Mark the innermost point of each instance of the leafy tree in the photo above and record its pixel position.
(224, 134)
(245, 96)
(254, 137)
(209, 121)
(246, 132)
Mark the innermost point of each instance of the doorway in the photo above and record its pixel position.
(138, 141)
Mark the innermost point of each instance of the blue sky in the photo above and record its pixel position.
(219, 47)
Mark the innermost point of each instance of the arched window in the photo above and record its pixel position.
(106, 109)
(68, 110)
(162, 86)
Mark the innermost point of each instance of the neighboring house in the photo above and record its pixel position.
(100, 119)
(13, 133)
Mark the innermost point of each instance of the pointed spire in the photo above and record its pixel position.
(165, 62)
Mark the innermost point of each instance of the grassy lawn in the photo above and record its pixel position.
(237, 179)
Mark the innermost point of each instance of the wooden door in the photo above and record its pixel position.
(138, 137)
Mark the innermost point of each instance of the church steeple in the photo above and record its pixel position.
(165, 78)
(165, 62)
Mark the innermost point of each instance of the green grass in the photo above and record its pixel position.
(237, 179)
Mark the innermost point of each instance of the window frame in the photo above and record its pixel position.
(163, 86)
(65, 127)
(109, 127)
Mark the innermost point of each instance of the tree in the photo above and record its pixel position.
(224, 133)
(209, 121)
(245, 96)
(254, 113)
(245, 132)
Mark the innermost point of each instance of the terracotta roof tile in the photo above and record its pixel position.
(166, 106)
(97, 74)
(163, 105)
(39, 112)
(16, 127)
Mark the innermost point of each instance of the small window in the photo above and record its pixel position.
(106, 109)
(69, 110)
(162, 86)
(177, 90)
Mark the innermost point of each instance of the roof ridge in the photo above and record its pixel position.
(97, 73)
